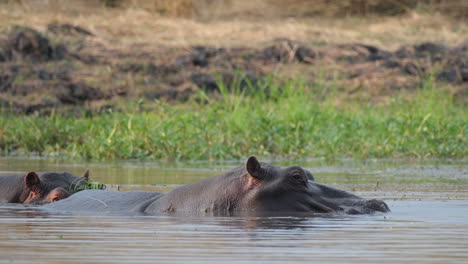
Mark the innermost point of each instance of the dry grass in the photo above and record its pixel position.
(225, 9)
(136, 25)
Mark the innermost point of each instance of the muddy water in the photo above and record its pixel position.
(428, 222)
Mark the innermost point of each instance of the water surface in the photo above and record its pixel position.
(428, 222)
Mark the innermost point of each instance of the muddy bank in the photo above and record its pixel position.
(66, 67)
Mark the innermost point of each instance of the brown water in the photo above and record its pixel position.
(428, 222)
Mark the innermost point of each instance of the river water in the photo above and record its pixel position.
(428, 222)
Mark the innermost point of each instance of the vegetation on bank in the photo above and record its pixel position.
(269, 119)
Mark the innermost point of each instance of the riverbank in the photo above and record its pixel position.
(76, 63)
(129, 83)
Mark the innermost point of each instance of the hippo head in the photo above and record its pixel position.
(259, 187)
(275, 189)
(50, 187)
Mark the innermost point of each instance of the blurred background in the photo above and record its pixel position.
(83, 59)
(260, 9)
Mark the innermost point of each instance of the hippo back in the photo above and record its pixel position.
(103, 201)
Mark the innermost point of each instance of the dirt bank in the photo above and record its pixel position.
(66, 66)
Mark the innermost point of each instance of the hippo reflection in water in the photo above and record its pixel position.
(255, 187)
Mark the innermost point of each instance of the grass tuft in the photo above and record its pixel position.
(86, 184)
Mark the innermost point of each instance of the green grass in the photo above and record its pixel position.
(86, 184)
(286, 121)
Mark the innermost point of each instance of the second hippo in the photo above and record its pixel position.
(40, 188)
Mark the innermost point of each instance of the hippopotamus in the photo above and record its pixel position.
(253, 187)
(40, 188)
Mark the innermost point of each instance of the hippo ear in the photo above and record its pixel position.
(253, 167)
(32, 180)
(86, 174)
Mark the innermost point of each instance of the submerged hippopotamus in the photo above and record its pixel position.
(40, 188)
(255, 187)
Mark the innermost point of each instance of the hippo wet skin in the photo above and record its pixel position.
(39, 188)
(255, 187)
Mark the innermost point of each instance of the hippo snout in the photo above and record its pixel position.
(365, 207)
(377, 205)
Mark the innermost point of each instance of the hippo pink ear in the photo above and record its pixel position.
(86, 174)
(32, 180)
(253, 167)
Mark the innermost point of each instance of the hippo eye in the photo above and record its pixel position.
(299, 178)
